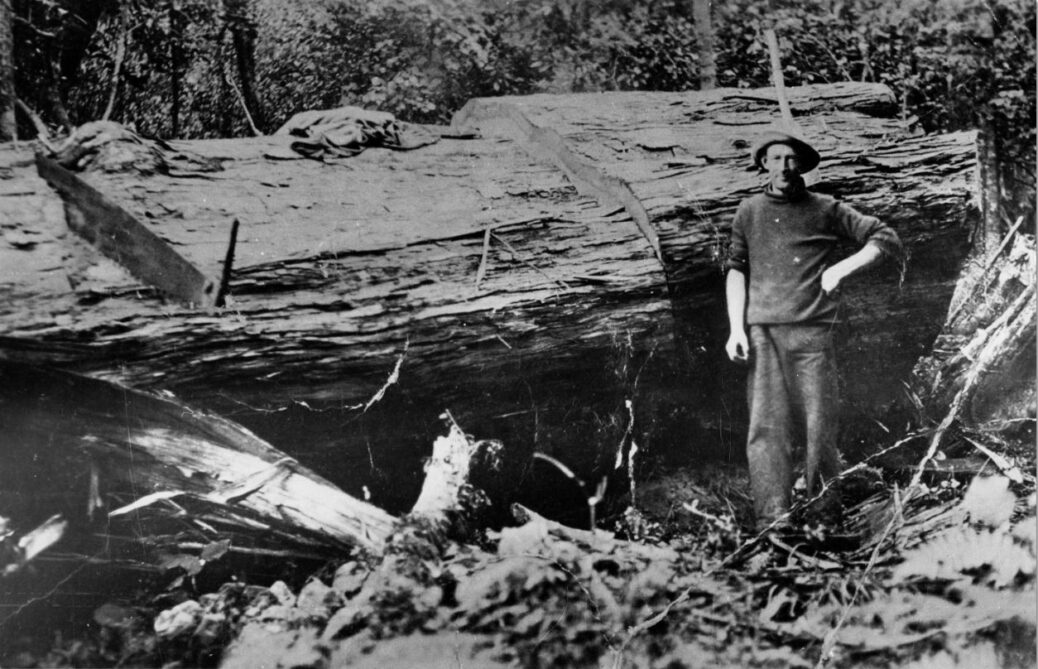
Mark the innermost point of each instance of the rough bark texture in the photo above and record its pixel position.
(8, 129)
(686, 160)
(176, 61)
(705, 42)
(342, 267)
(337, 279)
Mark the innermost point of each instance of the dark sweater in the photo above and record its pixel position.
(784, 244)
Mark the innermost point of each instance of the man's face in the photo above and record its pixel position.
(783, 166)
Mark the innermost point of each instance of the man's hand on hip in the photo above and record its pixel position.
(867, 255)
(831, 279)
(738, 347)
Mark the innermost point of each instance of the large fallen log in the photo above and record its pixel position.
(684, 161)
(146, 474)
(88, 449)
(516, 270)
(104, 489)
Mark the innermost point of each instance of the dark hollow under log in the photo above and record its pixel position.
(519, 286)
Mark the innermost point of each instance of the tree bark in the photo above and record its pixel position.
(78, 26)
(52, 94)
(341, 267)
(176, 27)
(689, 166)
(8, 126)
(117, 66)
(243, 33)
(705, 41)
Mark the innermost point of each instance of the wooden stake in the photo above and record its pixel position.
(787, 123)
(228, 264)
(778, 80)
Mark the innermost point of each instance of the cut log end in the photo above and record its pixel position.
(452, 496)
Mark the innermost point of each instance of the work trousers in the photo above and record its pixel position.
(794, 404)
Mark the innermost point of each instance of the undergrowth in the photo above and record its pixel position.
(955, 581)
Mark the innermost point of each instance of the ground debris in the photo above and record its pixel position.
(943, 562)
(903, 618)
(543, 594)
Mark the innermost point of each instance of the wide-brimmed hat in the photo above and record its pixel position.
(809, 158)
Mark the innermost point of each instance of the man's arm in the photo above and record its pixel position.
(877, 240)
(868, 255)
(738, 347)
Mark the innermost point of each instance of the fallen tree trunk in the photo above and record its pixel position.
(138, 489)
(86, 449)
(684, 160)
(518, 274)
(150, 475)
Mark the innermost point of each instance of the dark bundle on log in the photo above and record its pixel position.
(517, 271)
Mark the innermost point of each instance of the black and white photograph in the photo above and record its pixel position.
(491, 334)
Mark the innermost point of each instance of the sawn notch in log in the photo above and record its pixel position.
(120, 236)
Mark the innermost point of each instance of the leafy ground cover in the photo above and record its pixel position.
(941, 577)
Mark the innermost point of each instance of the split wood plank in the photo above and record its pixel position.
(124, 239)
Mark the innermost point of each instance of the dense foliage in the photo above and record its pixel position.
(953, 64)
(543, 595)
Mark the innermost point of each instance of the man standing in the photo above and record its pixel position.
(782, 284)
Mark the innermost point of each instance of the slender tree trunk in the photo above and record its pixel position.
(705, 40)
(8, 129)
(176, 54)
(117, 68)
(243, 34)
(226, 92)
(989, 230)
(77, 31)
(55, 101)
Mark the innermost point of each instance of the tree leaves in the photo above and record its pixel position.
(994, 556)
(991, 553)
(988, 501)
(905, 618)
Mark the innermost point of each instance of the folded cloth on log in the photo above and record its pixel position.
(108, 146)
(346, 131)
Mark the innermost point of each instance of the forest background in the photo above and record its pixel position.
(227, 68)
(233, 68)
